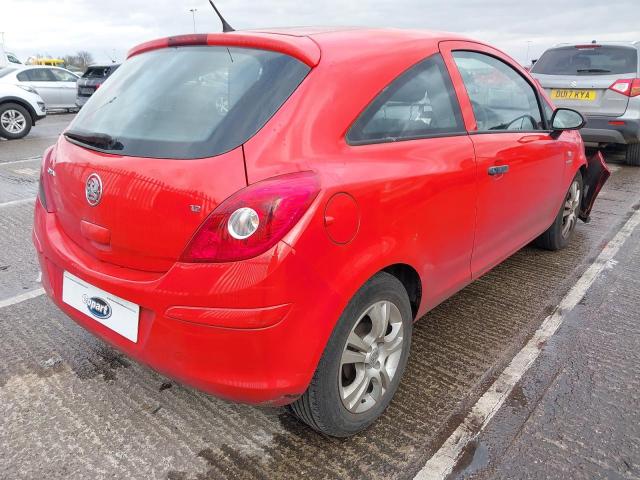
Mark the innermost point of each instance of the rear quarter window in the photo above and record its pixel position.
(420, 103)
(587, 60)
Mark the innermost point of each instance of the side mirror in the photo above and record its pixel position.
(567, 119)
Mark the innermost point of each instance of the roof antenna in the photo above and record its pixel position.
(225, 26)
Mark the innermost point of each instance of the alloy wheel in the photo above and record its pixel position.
(13, 121)
(371, 357)
(570, 212)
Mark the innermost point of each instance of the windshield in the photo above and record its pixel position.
(186, 102)
(588, 60)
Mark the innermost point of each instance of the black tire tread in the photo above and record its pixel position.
(633, 154)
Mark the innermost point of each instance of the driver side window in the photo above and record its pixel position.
(501, 98)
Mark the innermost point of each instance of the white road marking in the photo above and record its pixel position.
(22, 297)
(441, 464)
(32, 172)
(24, 160)
(22, 201)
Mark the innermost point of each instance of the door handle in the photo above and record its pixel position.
(498, 170)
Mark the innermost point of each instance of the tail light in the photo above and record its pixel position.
(42, 196)
(629, 87)
(253, 220)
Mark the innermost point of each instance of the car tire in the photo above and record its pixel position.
(558, 235)
(15, 121)
(633, 154)
(345, 396)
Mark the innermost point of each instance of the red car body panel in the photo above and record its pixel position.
(143, 198)
(254, 330)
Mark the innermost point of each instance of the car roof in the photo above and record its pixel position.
(21, 68)
(361, 37)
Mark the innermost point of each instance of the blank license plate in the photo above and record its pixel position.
(86, 91)
(113, 312)
(586, 95)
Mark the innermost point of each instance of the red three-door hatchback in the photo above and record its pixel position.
(262, 215)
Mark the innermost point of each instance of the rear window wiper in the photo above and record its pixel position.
(593, 70)
(98, 140)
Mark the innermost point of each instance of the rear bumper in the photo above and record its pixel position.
(81, 100)
(600, 130)
(244, 331)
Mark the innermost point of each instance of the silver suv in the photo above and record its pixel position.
(602, 81)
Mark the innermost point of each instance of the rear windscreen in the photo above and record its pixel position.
(96, 72)
(186, 102)
(596, 60)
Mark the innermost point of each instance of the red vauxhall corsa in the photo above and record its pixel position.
(262, 215)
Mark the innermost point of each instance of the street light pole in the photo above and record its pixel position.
(193, 15)
(528, 47)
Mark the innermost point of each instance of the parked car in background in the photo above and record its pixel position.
(276, 248)
(55, 85)
(602, 81)
(8, 58)
(77, 70)
(91, 80)
(20, 108)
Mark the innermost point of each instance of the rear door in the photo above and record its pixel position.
(520, 165)
(580, 77)
(45, 84)
(66, 87)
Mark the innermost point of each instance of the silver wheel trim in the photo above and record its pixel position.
(370, 357)
(13, 121)
(570, 212)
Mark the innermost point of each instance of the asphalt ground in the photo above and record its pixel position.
(72, 407)
(575, 414)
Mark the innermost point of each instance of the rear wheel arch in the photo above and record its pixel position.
(410, 279)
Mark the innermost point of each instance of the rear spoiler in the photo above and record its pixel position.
(302, 48)
(596, 176)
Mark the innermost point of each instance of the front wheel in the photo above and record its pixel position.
(15, 121)
(363, 361)
(559, 233)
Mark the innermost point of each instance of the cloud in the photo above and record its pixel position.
(109, 28)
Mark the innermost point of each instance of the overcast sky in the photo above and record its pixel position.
(108, 28)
